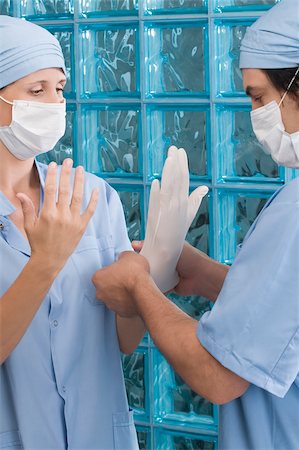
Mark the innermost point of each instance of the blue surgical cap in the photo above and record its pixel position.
(26, 48)
(272, 42)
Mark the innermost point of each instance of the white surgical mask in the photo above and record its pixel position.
(35, 128)
(269, 129)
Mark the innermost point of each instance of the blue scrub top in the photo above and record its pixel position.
(62, 386)
(253, 330)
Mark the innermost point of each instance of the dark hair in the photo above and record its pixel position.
(280, 78)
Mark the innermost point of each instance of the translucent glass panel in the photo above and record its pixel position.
(182, 126)
(175, 401)
(44, 8)
(132, 201)
(65, 147)
(171, 440)
(144, 438)
(199, 231)
(176, 59)
(109, 57)
(175, 6)
(240, 156)
(237, 212)
(6, 7)
(228, 35)
(112, 140)
(93, 8)
(135, 367)
(65, 36)
(241, 5)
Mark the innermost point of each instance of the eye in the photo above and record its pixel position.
(257, 99)
(36, 91)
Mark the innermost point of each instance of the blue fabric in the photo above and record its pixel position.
(272, 42)
(62, 386)
(26, 48)
(253, 330)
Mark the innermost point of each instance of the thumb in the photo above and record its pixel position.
(194, 202)
(28, 210)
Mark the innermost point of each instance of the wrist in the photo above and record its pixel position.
(43, 266)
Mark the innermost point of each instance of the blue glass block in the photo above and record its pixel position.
(240, 156)
(292, 173)
(174, 401)
(183, 126)
(175, 6)
(228, 35)
(94, 8)
(193, 306)
(144, 438)
(173, 440)
(109, 59)
(65, 36)
(6, 7)
(237, 212)
(243, 5)
(44, 9)
(112, 139)
(132, 201)
(173, 52)
(135, 368)
(199, 231)
(65, 148)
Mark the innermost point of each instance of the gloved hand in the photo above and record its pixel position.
(170, 214)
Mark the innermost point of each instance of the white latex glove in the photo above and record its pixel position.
(170, 214)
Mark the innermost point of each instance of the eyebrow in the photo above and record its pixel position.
(63, 80)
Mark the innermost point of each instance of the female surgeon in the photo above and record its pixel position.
(61, 375)
(244, 354)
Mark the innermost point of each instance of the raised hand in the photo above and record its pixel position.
(54, 234)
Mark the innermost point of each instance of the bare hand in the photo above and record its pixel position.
(56, 232)
(115, 284)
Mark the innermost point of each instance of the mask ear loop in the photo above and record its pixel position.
(288, 88)
(6, 101)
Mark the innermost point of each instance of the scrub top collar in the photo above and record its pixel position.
(8, 229)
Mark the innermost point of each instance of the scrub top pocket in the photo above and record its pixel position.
(90, 255)
(10, 440)
(125, 437)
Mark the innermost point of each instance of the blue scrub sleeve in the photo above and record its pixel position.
(117, 222)
(253, 328)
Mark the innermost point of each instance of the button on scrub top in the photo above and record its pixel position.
(253, 330)
(62, 387)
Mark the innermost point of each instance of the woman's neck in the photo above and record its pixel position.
(16, 175)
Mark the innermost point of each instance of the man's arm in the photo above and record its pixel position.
(127, 288)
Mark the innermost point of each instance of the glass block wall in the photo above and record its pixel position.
(143, 75)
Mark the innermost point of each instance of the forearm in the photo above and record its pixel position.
(174, 333)
(130, 332)
(206, 275)
(20, 303)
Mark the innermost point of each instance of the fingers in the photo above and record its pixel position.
(167, 179)
(184, 171)
(154, 205)
(194, 202)
(137, 245)
(65, 183)
(28, 210)
(78, 190)
(91, 207)
(50, 187)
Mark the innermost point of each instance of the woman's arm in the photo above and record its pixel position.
(21, 301)
(199, 274)
(130, 331)
(53, 237)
